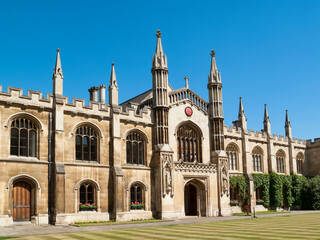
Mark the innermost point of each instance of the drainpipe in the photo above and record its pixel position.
(49, 167)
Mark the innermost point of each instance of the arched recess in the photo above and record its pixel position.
(257, 159)
(195, 199)
(133, 186)
(281, 161)
(189, 142)
(28, 115)
(300, 162)
(34, 191)
(233, 151)
(98, 129)
(97, 190)
(136, 130)
(136, 146)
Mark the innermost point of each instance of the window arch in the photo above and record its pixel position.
(88, 196)
(189, 143)
(86, 143)
(137, 196)
(232, 153)
(23, 137)
(257, 159)
(299, 160)
(135, 145)
(280, 157)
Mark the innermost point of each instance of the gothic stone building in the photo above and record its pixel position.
(167, 149)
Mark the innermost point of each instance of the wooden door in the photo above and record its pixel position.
(21, 201)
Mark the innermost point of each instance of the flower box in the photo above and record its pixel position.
(137, 206)
(259, 201)
(234, 203)
(87, 207)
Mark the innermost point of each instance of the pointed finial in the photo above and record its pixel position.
(113, 79)
(214, 75)
(187, 84)
(241, 110)
(287, 118)
(158, 34)
(58, 69)
(266, 114)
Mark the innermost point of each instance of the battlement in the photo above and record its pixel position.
(257, 134)
(232, 129)
(300, 141)
(135, 114)
(314, 142)
(34, 98)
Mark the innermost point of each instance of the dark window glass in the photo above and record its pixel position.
(139, 194)
(132, 194)
(90, 194)
(24, 142)
(129, 152)
(83, 194)
(78, 147)
(32, 143)
(14, 141)
(135, 148)
(86, 144)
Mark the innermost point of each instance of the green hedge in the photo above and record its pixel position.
(264, 181)
(241, 183)
(310, 194)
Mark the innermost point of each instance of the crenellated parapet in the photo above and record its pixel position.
(34, 99)
(309, 142)
(257, 134)
(131, 115)
(232, 131)
(186, 95)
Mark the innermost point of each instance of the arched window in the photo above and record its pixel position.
(189, 143)
(280, 157)
(299, 160)
(137, 196)
(135, 145)
(23, 137)
(232, 153)
(86, 143)
(257, 159)
(88, 197)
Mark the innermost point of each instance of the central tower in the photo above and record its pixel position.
(163, 176)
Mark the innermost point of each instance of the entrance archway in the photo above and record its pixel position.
(21, 201)
(195, 198)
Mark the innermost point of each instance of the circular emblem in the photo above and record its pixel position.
(188, 111)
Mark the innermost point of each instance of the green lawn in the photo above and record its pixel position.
(117, 223)
(306, 226)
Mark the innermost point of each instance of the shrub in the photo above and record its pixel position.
(310, 194)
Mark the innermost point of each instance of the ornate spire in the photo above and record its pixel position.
(58, 69)
(113, 88)
(288, 126)
(113, 79)
(266, 121)
(266, 114)
(187, 84)
(241, 110)
(215, 76)
(159, 60)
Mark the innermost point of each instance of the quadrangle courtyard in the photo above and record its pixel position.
(300, 226)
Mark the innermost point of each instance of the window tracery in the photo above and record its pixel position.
(86, 143)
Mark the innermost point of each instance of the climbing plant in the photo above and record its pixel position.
(241, 183)
(297, 185)
(287, 190)
(264, 181)
(276, 195)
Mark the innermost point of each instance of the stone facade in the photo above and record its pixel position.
(166, 149)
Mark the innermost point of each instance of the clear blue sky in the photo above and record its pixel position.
(267, 51)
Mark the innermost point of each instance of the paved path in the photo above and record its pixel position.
(28, 229)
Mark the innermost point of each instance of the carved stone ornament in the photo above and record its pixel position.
(181, 166)
(224, 178)
(167, 174)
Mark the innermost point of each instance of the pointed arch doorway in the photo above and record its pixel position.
(21, 201)
(195, 199)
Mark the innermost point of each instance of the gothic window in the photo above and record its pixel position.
(23, 137)
(135, 145)
(299, 160)
(137, 196)
(257, 159)
(87, 194)
(280, 157)
(86, 143)
(232, 153)
(189, 144)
